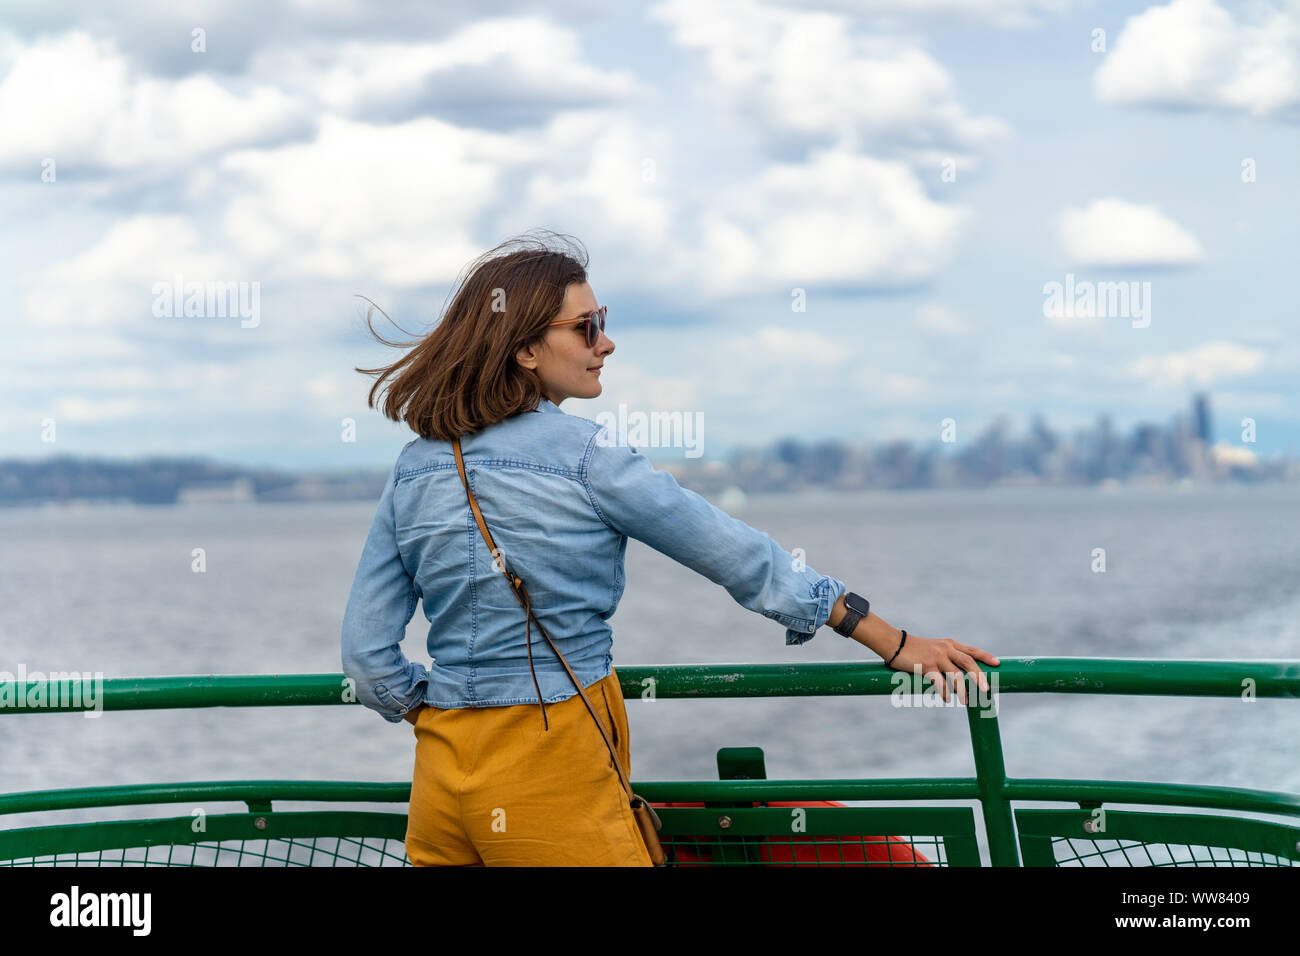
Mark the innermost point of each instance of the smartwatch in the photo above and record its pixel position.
(856, 607)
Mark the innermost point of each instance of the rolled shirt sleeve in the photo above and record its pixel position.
(379, 607)
(642, 502)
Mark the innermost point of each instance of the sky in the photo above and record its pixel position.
(807, 219)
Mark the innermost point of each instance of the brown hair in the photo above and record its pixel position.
(462, 376)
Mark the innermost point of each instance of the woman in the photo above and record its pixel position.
(500, 778)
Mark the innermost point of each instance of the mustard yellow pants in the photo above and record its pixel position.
(492, 788)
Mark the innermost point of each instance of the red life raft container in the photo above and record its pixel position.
(801, 849)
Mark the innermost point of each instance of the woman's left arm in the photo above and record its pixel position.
(380, 606)
(642, 502)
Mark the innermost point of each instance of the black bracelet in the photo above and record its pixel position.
(900, 647)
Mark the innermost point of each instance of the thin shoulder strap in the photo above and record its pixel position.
(521, 593)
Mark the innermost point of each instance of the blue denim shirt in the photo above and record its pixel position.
(561, 495)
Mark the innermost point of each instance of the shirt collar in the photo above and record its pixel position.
(546, 405)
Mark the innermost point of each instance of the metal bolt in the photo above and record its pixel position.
(1090, 826)
(724, 822)
(260, 823)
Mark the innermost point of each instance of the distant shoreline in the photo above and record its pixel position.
(726, 499)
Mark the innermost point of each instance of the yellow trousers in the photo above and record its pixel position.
(492, 788)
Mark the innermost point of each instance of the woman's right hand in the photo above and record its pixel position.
(940, 659)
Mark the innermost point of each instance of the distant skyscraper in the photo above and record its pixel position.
(1201, 416)
(1146, 440)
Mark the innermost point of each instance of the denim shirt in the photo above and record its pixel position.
(560, 495)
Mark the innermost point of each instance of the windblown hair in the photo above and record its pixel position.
(462, 376)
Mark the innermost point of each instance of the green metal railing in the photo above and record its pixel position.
(741, 819)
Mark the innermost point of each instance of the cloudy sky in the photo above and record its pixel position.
(806, 218)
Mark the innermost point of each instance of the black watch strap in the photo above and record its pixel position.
(856, 607)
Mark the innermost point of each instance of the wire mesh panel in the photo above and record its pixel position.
(1069, 852)
(1128, 838)
(699, 836)
(310, 838)
(329, 851)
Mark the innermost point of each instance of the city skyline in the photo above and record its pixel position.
(1151, 454)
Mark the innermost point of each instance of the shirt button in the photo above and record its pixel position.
(810, 627)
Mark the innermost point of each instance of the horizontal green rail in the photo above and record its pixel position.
(258, 794)
(1245, 679)
(1023, 675)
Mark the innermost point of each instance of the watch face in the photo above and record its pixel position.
(857, 603)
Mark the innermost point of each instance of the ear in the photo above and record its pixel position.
(527, 357)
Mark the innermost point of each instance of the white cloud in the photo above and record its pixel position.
(60, 355)
(888, 388)
(394, 204)
(837, 218)
(1114, 232)
(999, 13)
(903, 427)
(639, 389)
(1195, 53)
(111, 282)
(612, 163)
(77, 408)
(812, 72)
(409, 204)
(129, 377)
(156, 33)
(500, 61)
(1249, 403)
(790, 361)
(77, 99)
(1204, 365)
(938, 318)
(322, 387)
(782, 345)
(1225, 454)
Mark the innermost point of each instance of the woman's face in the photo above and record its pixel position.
(564, 363)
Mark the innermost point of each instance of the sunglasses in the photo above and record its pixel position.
(595, 324)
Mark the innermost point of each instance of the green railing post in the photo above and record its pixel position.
(738, 763)
(991, 776)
